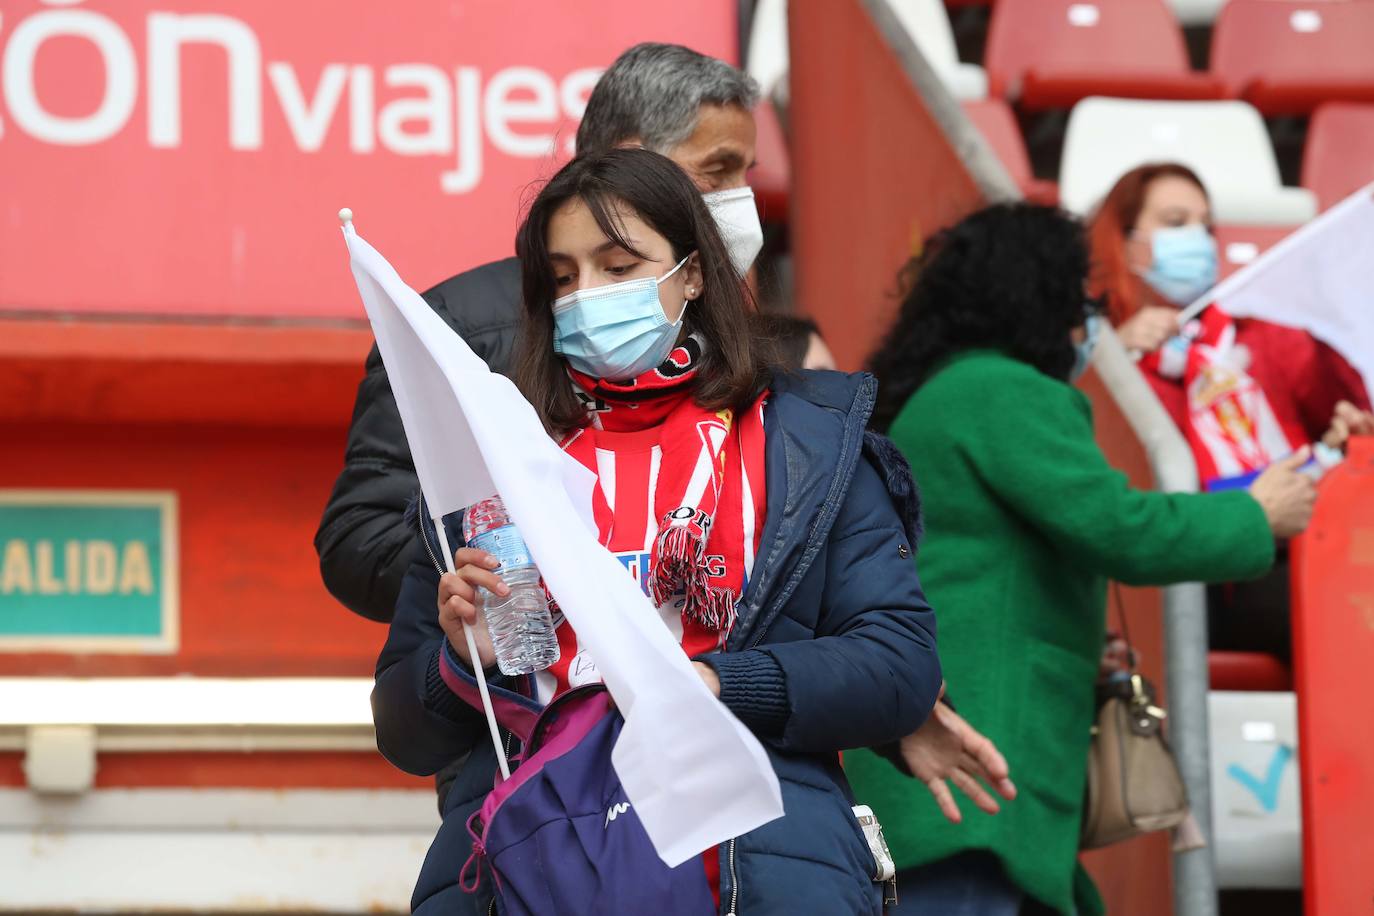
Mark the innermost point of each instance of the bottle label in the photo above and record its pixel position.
(506, 544)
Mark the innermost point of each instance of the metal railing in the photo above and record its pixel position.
(1185, 621)
(1171, 461)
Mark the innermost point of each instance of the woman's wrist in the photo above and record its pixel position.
(753, 686)
(709, 676)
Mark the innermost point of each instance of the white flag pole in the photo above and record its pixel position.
(346, 217)
(476, 663)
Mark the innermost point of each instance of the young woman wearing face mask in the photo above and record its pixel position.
(1025, 523)
(1155, 253)
(750, 504)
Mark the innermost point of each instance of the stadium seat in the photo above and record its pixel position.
(1224, 142)
(1046, 54)
(1247, 671)
(1196, 12)
(1289, 56)
(1238, 245)
(772, 177)
(1339, 158)
(766, 59)
(997, 123)
(926, 21)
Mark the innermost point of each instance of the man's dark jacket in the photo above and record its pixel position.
(364, 545)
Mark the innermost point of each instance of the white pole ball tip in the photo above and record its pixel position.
(346, 215)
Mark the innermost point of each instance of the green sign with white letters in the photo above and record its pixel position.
(88, 571)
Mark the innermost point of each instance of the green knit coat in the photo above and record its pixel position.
(1025, 523)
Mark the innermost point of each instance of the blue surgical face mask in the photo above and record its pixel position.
(1184, 264)
(616, 331)
(1083, 351)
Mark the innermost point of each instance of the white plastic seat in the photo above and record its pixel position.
(767, 59)
(1196, 12)
(1224, 142)
(927, 22)
(924, 20)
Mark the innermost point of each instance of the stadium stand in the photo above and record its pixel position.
(997, 123)
(1289, 56)
(927, 23)
(1045, 54)
(1225, 142)
(1339, 157)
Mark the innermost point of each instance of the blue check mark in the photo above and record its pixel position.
(1267, 792)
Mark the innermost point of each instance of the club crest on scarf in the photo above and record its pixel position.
(703, 499)
(1232, 427)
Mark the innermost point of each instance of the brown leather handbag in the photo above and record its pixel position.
(1134, 784)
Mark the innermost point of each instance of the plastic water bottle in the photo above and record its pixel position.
(521, 627)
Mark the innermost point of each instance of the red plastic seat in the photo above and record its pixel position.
(1239, 245)
(1289, 56)
(1052, 53)
(997, 123)
(1248, 671)
(772, 177)
(1339, 158)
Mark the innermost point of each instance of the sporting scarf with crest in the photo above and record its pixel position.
(708, 493)
(1232, 427)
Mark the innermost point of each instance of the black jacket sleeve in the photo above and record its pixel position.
(363, 544)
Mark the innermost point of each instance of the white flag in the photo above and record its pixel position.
(694, 774)
(1320, 279)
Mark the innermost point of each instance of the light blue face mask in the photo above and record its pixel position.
(1185, 262)
(616, 331)
(1083, 352)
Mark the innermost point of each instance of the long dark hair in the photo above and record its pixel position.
(789, 335)
(734, 368)
(1009, 277)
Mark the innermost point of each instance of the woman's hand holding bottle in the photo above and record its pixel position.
(1348, 420)
(460, 604)
(1286, 494)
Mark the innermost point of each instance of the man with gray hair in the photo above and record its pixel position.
(696, 110)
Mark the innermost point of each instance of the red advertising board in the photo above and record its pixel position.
(188, 157)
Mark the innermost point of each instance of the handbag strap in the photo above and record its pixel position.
(1141, 693)
(1125, 630)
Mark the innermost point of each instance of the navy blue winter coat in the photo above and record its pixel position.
(834, 648)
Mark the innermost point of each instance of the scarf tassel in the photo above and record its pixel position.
(679, 566)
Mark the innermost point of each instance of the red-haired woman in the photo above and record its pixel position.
(1244, 392)
(1154, 253)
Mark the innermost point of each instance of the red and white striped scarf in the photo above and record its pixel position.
(708, 488)
(1232, 427)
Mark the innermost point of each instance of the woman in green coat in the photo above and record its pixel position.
(1025, 523)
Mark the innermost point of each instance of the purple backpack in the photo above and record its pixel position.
(560, 835)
